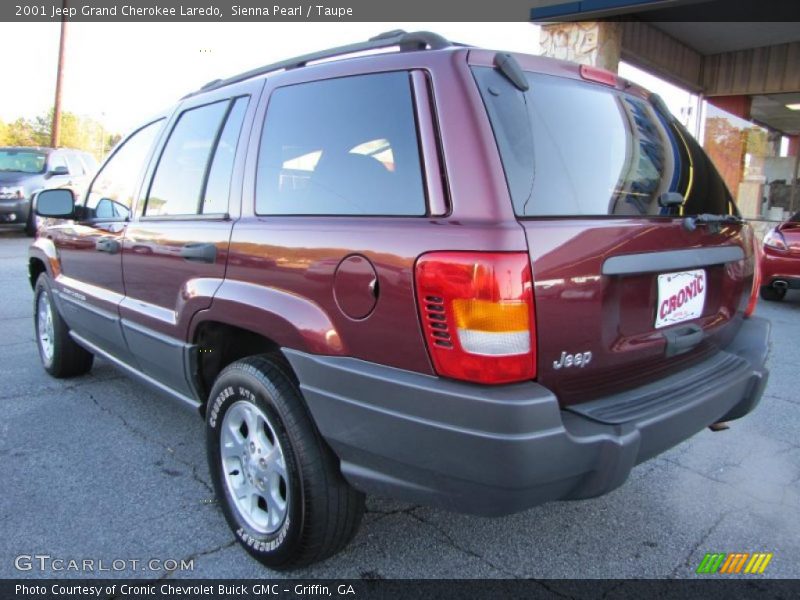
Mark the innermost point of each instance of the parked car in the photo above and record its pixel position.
(457, 277)
(26, 170)
(780, 259)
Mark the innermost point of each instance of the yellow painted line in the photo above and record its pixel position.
(691, 169)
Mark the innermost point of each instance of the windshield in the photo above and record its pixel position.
(571, 148)
(22, 161)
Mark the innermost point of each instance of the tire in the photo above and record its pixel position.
(772, 294)
(61, 355)
(295, 507)
(30, 224)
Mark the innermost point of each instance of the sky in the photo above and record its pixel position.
(121, 73)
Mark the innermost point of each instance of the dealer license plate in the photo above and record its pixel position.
(681, 297)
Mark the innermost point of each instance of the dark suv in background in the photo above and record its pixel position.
(454, 276)
(26, 170)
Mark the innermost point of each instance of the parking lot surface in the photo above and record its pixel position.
(101, 468)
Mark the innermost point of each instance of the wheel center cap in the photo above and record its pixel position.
(253, 467)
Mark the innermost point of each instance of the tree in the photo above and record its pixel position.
(23, 132)
(725, 145)
(757, 141)
(81, 132)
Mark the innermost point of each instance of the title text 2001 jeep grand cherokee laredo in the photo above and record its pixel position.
(457, 277)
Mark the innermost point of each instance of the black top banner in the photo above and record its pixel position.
(396, 10)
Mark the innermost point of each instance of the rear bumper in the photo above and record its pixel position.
(784, 266)
(792, 281)
(498, 450)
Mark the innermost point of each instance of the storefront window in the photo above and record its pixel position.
(748, 157)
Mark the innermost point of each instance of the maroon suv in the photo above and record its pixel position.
(452, 276)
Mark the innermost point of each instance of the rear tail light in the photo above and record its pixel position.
(751, 304)
(477, 314)
(775, 239)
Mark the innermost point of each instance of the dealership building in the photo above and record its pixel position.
(744, 77)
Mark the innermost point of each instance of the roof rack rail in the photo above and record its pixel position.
(416, 40)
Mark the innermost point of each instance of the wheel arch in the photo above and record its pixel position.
(218, 344)
(42, 258)
(36, 267)
(289, 319)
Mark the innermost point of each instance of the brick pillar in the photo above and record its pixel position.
(736, 105)
(794, 145)
(596, 43)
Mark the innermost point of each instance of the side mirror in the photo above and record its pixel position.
(56, 204)
(58, 171)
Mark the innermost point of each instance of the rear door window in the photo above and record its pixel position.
(194, 172)
(344, 146)
(218, 185)
(178, 180)
(571, 148)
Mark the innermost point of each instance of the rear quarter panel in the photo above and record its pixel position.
(297, 255)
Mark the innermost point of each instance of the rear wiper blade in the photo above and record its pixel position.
(713, 222)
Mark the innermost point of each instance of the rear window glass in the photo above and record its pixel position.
(577, 149)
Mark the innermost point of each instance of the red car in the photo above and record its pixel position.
(780, 261)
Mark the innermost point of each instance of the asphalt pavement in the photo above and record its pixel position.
(100, 468)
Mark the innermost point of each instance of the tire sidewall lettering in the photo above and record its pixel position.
(265, 545)
(216, 406)
(222, 400)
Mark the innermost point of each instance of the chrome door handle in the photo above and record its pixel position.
(107, 245)
(200, 252)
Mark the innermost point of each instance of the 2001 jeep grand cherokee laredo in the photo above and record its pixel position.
(453, 276)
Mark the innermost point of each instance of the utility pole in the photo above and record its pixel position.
(55, 130)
